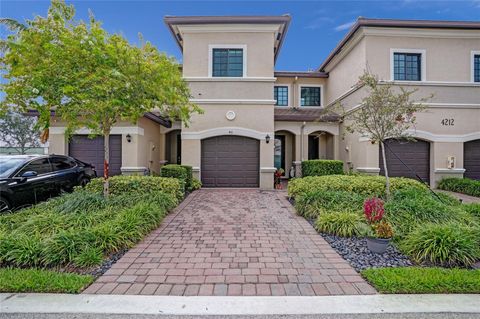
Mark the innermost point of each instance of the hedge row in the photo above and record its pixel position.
(129, 184)
(322, 167)
(461, 185)
(363, 185)
(181, 172)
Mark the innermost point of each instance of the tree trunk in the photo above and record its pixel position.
(106, 161)
(387, 179)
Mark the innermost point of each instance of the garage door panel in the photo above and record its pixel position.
(91, 151)
(230, 161)
(471, 159)
(416, 155)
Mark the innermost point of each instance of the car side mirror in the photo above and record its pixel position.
(28, 174)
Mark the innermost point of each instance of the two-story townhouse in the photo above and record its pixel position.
(433, 57)
(257, 119)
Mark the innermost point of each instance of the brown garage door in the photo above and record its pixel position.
(90, 150)
(230, 161)
(416, 155)
(471, 159)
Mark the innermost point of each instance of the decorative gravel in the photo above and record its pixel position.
(355, 251)
(107, 264)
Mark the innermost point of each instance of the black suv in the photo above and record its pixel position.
(29, 179)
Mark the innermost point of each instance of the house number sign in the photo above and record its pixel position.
(448, 122)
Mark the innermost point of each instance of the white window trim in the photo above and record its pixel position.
(289, 91)
(300, 86)
(423, 53)
(472, 65)
(226, 46)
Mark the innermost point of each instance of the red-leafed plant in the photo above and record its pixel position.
(278, 175)
(373, 210)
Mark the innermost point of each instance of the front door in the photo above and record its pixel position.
(279, 152)
(313, 147)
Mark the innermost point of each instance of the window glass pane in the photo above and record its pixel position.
(280, 94)
(476, 68)
(60, 163)
(227, 62)
(407, 66)
(310, 96)
(41, 166)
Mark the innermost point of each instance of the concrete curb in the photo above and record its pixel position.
(125, 304)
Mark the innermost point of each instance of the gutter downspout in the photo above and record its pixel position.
(302, 128)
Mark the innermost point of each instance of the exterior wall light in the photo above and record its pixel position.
(267, 138)
(129, 138)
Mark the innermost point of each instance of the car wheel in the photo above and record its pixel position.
(5, 206)
(84, 181)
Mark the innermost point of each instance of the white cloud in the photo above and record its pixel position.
(319, 22)
(345, 26)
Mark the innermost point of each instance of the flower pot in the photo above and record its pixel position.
(377, 245)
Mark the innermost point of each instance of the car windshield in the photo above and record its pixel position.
(9, 164)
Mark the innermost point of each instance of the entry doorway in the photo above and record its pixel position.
(279, 153)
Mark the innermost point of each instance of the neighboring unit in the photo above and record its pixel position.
(257, 119)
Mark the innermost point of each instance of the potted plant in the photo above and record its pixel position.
(380, 231)
(278, 175)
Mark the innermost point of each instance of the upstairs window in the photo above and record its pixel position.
(310, 96)
(476, 68)
(407, 66)
(280, 95)
(227, 62)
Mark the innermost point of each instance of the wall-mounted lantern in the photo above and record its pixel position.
(267, 138)
(129, 138)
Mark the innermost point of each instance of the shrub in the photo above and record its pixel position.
(344, 224)
(461, 185)
(196, 184)
(373, 209)
(449, 244)
(189, 178)
(176, 171)
(409, 208)
(45, 281)
(322, 167)
(420, 280)
(80, 239)
(131, 185)
(312, 203)
(368, 186)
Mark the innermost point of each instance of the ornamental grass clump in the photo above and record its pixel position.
(448, 245)
(343, 224)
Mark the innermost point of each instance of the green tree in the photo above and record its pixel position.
(19, 132)
(89, 77)
(386, 112)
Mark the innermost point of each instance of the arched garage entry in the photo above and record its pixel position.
(471, 159)
(230, 161)
(415, 154)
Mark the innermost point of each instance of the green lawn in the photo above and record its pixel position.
(416, 280)
(36, 280)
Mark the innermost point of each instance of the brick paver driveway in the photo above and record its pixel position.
(232, 242)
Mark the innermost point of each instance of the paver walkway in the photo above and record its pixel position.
(466, 199)
(232, 242)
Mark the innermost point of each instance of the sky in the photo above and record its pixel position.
(315, 29)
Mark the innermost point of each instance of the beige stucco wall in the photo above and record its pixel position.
(448, 58)
(259, 50)
(294, 85)
(344, 74)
